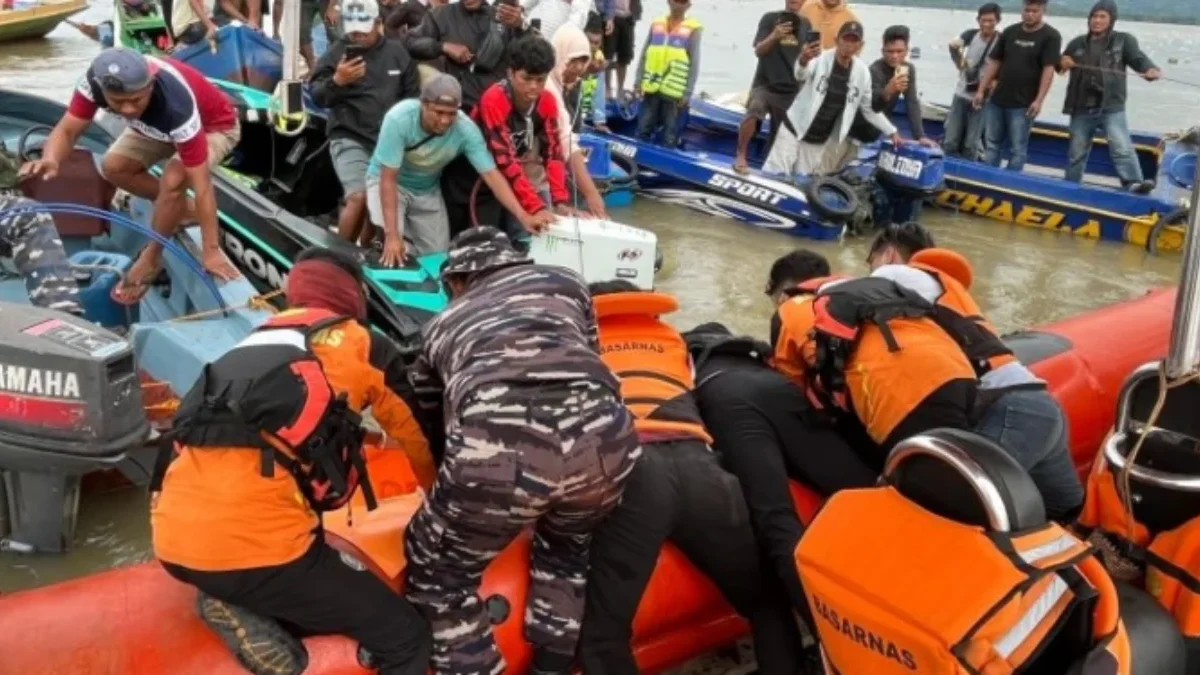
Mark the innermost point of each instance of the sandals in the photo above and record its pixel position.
(130, 292)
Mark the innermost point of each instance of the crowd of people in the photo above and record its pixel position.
(1004, 77)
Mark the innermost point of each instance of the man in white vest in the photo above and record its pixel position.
(833, 88)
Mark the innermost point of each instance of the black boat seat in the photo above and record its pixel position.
(78, 182)
(948, 472)
(1171, 449)
(1157, 644)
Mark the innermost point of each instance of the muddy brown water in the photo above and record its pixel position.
(716, 267)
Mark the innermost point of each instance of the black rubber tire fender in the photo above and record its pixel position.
(1177, 217)
(818, 190)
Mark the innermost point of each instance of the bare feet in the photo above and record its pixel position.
(138, 280)
(741, 166)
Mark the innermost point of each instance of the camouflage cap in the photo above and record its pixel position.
(479, 249)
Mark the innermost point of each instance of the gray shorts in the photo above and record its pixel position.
(762, 100)
(350, 160)
(421, 216)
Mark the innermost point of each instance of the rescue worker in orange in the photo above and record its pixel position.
(1015, 409)
(899, 378)
(677, 491)
(253, 544)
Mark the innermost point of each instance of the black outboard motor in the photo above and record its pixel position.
(70, 404)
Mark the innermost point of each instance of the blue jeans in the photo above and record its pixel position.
(659, 112)
(1031, 426)
(964, 130)
(1120, 145)
(1006, 124)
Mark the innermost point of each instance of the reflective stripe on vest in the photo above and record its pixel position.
(895, 589)
(652, 361)
(587, 91)
(667, 66)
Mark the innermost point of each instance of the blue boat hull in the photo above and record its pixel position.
(1025, 199)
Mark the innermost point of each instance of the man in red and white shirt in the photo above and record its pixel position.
(173, 113)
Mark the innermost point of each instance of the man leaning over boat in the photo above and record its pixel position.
(418, 140)
(173, 113)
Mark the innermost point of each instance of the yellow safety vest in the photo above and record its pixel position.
(667, 66)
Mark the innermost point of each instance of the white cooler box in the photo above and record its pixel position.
(600, 250)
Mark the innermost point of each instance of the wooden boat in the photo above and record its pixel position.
(25, 21)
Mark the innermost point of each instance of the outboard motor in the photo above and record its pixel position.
(70, 403)
(908, 175)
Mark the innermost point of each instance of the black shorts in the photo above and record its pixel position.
(618, 46)
(762, 101)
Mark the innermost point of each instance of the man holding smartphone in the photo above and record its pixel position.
(359, 79)
(783, 38)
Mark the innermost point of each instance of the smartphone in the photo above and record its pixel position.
(535, 24)
(355, 52)
(814, 38)
(794, 19)
(511, 3)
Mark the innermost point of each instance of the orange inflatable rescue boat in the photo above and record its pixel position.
(139, 620)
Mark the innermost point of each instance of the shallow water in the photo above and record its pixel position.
(717, 267)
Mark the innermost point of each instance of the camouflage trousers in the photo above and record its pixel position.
(38, 255)
(554, 457)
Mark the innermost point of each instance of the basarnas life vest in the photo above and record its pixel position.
(958, 313)
(823, 342)
(667, 67)
(269, 394)
(651, 360)
(913, 592)
(1166, 559)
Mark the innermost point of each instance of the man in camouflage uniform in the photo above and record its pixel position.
(32, 242)
(536, 434)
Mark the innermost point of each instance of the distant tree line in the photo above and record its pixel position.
(1159, 11)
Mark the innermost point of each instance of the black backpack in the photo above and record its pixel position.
(272, 386)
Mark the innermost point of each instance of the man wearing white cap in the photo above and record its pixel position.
(358, 80)
(418, 139)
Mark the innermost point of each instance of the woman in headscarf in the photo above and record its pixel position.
(572, 54)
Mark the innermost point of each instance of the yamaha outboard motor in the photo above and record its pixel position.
(70, 403)
(907, 175)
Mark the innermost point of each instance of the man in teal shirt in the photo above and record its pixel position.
(417, 140)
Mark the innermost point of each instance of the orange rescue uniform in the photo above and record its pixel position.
(884, 386)
(652, 361)
(217, 512)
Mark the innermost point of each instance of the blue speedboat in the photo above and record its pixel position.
(1038, 197)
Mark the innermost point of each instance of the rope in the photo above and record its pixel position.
(1164, 386)
(1123, 73)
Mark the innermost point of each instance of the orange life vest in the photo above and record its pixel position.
(652, 361)
(913, 592)
(218, 512)
(960, 315)
(884, 384)
(1170, 559)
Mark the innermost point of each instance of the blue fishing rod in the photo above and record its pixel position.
(117, 219)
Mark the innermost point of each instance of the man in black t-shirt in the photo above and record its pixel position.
(1022, 63)
(782, 38)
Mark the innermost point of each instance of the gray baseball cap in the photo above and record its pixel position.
(442, 89)
(121, 71)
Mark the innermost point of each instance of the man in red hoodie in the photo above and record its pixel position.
(520, 123)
